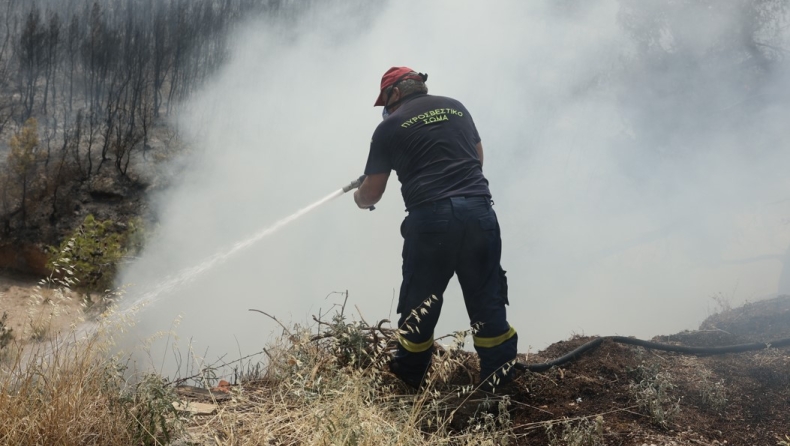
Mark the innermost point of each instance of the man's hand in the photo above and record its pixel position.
(371, 190)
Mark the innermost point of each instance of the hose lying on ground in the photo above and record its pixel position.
(595, 343)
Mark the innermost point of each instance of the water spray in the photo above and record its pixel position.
(150, 295)
(188, 274)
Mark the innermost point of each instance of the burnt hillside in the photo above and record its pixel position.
(87, 90)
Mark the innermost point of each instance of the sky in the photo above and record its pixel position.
(637, 170)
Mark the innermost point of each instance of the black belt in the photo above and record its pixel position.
(441, 200)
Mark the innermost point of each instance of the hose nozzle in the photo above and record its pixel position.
(354, 184)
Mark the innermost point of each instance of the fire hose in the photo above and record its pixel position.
(595, 343)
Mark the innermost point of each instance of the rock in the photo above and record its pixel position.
(195, 408)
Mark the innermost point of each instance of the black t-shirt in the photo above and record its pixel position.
(430, 142)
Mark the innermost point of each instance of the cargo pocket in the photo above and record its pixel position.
(503, 286)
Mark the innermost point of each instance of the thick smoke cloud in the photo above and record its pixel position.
(638, 168)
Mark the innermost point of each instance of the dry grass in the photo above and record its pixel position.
(69, 389)
(311, 395)
(325, 388)
(73, 392)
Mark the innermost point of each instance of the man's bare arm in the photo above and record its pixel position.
(479, 148)
(371, 190)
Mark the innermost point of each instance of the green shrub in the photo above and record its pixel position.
(91, 254)
(150, 404)
(584, 432)
(653, 391)
(713, 393)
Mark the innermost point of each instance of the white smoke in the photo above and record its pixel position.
(623, 211)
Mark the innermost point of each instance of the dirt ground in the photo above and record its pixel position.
(739, 399)
(34, 312)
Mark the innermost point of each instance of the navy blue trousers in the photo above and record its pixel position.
(458, 236)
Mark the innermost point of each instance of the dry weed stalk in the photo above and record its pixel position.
(73, 391)
(70, 389)
(332, 388)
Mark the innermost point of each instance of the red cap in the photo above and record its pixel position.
(392, 76)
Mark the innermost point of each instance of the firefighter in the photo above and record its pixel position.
(451, 228)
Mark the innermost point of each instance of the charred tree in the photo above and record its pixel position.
(31, 54)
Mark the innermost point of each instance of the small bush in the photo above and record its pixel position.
(713, 393)
(150, 404)
(351, 346)
(92, 253)
(585, 432)
(653, 394)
